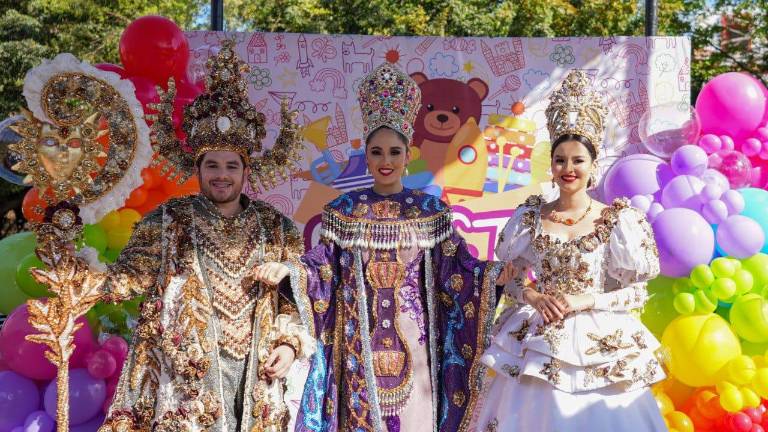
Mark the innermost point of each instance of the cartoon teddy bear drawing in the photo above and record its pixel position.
(447, 106)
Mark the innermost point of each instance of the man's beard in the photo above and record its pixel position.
(205, 189)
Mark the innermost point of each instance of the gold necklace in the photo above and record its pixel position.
(554, 217)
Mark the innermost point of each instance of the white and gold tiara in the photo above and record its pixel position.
(576, 109)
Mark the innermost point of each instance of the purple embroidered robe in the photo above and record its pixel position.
(350, 291)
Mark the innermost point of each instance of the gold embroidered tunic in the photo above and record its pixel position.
(205, 326)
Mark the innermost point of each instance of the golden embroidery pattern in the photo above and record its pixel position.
(552, 370)
(608, 344)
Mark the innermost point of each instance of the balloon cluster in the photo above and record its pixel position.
(28, 379)
(706, 198)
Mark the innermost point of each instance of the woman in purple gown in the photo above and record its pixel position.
(401, 310)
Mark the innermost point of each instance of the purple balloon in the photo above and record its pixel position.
(732, 103)
(91, 425)
(18, 398)
(640, 202)
(684, 240)
(86, 396)
(740, 237)
(39, 421)
(734, 201)
(654, 211)
(714, 177)
(683, 191)
(18, 429)
(710, 192)
(715, 211)
(689, 160)
(637, 174)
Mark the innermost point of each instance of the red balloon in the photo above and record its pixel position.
(145, 92)
(137, 197)
(101, 364)
(154, 47)
(117, 346)
(754, 414)
(109, 67)
(33, 206)
(757, 428)
(739, 422)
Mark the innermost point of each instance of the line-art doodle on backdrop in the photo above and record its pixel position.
(538, 79)
(282, 57)
(258, 52)
(279, 96)
(460, 44)
(443, 65)
(351, 57)
(630, 51)
(304, 63)
(607, 43)
(336, 78)
(667, 42)
(511, 84)
(376, 39)
(506, 56)
(280, 42)
(338, 129)
(393, 55)
(684, 77)
(323, 49)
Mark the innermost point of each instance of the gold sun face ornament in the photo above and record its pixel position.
(83, 138)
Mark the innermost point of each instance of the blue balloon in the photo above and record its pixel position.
(756, 208)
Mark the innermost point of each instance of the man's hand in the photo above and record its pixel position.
(279, 362)
(271, 273)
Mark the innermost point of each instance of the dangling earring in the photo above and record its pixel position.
(592, 181)
(554, 185)
(405, 172)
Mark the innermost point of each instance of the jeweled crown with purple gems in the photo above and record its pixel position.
(388, 97)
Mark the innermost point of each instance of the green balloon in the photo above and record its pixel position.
(724, 288)
(24, 280)
(749, 317)
(702, 276)
(757, 265)
(111, 255)
(744, 281)
(706, 301)
(684, 303)
(683, 285)
(95, 237)
(724, 267)
(12, 250)
(659, 311)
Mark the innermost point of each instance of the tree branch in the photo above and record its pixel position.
(739, 63)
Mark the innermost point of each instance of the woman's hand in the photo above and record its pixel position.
(506, 274)
(271, 273)
(579, 303)
(551, 308)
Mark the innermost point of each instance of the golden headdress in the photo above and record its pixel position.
(222, 119)
(388, 97)
(575, 108)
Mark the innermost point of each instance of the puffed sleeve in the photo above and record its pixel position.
(513, 242)
(633, 260)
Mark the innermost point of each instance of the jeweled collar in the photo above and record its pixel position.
(368, 220)
(211, 211)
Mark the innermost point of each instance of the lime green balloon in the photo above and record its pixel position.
(683, 285)
(684, 303)
(753, 349)
(702, 276)
(757, 265)
(12, 250)
(26, 283)
(724, 267)
(111, 255)
(706, 301)
(95, 237)
(724, 288)
(659, 311)
(749, 317)
(744, 281)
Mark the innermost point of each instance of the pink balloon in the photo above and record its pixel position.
(109, 67)
(710, 143)
(683, 191)
(740, 237)
(117, 346)
(101, 364)
(751, 147)
(27, 358)
(728, 143)
(734, 166)
(684, 240)
(732, 103)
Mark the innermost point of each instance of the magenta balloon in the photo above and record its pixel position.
(39, 421)
(689, 160)
(751, 147)
(117, 346)
(740, 237)
(109, 67)
(18, 398)
(710, 143)
(86, 396)
(101, 364)
(732, 103)
(684, 240)
(734, 166)
(638, 174)
(683, 191)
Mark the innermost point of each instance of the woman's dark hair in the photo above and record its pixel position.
(400, 136)
(578, 138)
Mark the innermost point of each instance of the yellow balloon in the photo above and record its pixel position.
(128, 217)
(110, 221)
(699, 347)
(740, 370)
(118, 238)
(751, 399)
(664, 402)
(679, 421)
(732, 400)
(760, 382)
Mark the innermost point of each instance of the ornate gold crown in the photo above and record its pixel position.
(222, 119)
(575, 108)
(388, 97)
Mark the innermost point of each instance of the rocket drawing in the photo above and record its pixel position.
(304, 62)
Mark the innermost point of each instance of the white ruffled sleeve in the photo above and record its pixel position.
(633, 260)
(513, 242)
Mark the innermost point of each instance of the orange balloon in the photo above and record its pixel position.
(137, 197)
(151, 178)
(33, 206)
(699, 421)
(189, 187)
(154, 198)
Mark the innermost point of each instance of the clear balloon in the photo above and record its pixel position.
(734, 166)
(667, 127)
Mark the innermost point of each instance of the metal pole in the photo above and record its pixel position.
(650, 18)
(217, 15)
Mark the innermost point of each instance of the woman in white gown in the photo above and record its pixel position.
(570, 356)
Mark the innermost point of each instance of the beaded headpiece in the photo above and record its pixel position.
(388, 97)
(222, 119)
(575, 108)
